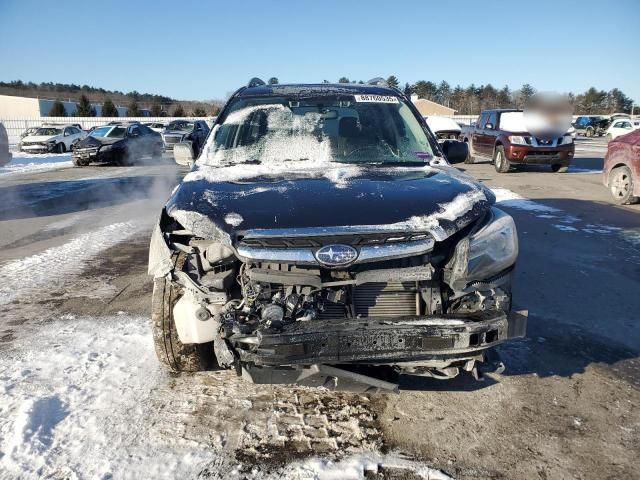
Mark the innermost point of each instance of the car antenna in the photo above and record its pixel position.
(255, 82)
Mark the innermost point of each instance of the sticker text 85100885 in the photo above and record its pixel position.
(376, 98)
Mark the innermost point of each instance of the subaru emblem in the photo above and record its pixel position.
(336, 255)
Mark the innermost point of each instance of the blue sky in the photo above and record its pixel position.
(205, 49)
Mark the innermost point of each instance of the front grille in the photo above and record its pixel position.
(172, 139)
(385, 299)
(355, 240)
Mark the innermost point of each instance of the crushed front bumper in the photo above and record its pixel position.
(379, 341)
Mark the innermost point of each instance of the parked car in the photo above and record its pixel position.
(502, 137)
(621, 171)
(591, 125)
(620, 126)
(180, 130)
(322, 233)
(5, 154)
(121, 144)
(443, 127)
(156, 126)
(52, 138)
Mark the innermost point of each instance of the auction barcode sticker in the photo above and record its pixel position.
(376, 98)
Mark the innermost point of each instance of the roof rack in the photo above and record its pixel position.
(255, 82)
(378, 81)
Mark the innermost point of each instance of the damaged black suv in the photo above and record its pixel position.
(322, 238)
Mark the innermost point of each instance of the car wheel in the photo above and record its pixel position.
(500, 161)
(589, 132)
(78, 163)
(172, 353)
(125, 159)
(59, 148)
(621, 186)
(558, 168)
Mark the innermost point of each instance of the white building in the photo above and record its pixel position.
(25, 107)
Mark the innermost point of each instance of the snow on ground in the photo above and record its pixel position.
(560, 219)
(55, 267)
(28, 162)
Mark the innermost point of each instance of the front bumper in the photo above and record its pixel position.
(540, 156)
(95, 156)
(378, 341)
(37, 148)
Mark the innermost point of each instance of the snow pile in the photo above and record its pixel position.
(507, 198)
(76, 406)
(52, 269)
(359, 467)
(29, 162)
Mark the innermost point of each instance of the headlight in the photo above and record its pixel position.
(518, 140)
(493, 248)
(105, 148)
(566, 140)
(51, 142)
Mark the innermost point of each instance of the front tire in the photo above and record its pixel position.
(60, 148)
(621, 186)
(500, 161)
(174, 355)
(589, 133)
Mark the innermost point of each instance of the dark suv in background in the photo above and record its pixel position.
(591, 125)
(186, 130)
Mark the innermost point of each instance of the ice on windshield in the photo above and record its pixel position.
(327, 129)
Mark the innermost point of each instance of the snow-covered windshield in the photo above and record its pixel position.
(345, 128)
(48, 132)
(110, 132)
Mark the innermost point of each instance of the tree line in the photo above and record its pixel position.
(84, 108)
(84, 95)
(471, 100)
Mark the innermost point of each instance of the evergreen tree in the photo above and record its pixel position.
(133, 110)
(273, 81)
(343, 80)
(58, 110)
(393, 82)
(109, 109)
(178, 111)
(84, 108)
(156, 109)
(408, 90)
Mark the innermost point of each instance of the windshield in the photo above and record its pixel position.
(110, 132)
(180, 126)
(48, 131)
(345, 128)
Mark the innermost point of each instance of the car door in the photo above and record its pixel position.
(477, 134)
(489, 134)
(135, 141)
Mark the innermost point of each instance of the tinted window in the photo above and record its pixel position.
(493, 119)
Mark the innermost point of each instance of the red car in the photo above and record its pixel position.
(621, 172)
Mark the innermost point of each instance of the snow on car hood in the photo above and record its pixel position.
(220, 202)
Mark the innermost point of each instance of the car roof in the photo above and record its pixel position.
(315, 89)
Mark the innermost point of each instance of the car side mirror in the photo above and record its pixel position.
(489, 126)
(454, 150)
(183, 154)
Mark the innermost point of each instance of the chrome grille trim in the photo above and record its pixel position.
(305, 256)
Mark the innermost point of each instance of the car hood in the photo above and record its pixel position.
(97, 141)
(442, 200)
(39, 138)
